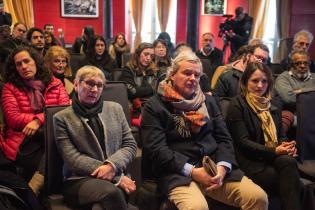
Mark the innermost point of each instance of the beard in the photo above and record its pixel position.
(302, 76)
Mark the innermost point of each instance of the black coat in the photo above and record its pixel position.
(165, 151)
(248, 138)
(215, 58)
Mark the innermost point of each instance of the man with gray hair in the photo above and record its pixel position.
(187, 147)
(210, 52)
(301, 42)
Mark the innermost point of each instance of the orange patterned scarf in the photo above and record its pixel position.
(191, 114)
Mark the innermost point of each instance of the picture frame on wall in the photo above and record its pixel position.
(213, 7)
(80, 8)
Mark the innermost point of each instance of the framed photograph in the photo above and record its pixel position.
(80, 8)
(213, 7)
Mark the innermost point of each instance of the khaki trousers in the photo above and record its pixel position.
(244, 194)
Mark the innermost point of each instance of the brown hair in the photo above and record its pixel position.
(250, 69)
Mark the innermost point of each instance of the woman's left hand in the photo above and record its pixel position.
(31, 127)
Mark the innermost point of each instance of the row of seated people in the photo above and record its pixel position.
(22, 70)
(142, 51)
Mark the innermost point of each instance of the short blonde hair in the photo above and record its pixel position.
(54, 52)
(185, 55)
(89, 71)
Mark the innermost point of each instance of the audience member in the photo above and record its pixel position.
(5, 17)
(35, 36)
(228, 82)
(100, 58)
(57, 60)
(301, 42)
(50, 40)
(60, 39)
(181, 125)
(96, 144)
(261, 150)
(83, 44)
(241, 29)
(210, 52)
(118, 48)
(5, 32)
(28, 89)
(141, 75)
(298, 79)
(161, 58)
(167, 38)
(16, 39)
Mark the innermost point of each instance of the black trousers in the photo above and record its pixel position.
(89, 190)
(30, 157)
(281, 177)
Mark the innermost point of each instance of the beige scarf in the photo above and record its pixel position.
(260, 106)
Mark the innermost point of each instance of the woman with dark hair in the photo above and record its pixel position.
(83, 44)
(141, 75)
(118, 48)
(28, 89)
(167, 38)
(162, 58)
(100, 58)
(57, 60)
(261, 150)
(50, 40)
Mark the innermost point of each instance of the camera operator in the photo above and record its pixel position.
(5, 18)
(241, 28)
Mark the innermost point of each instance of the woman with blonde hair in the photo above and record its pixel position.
(57, 60)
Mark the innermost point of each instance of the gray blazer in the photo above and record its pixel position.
(79, 147)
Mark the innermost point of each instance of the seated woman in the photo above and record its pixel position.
(255, 126)
(141, 75)
(100, 58)
(96, 144)
(57, 60)
(118, 48)
(162, 58)
(28, 89)
(82, 44)
(50, 40)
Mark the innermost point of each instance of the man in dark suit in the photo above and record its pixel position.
(180, 125)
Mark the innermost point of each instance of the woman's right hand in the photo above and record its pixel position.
(127, 184)
(105, 171)
(287, 148)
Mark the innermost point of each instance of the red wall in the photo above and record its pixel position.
(211, 24)
(50, 12)
(302, 17)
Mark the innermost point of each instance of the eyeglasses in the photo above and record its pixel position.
(299, 63)
(261, 58)
(91, 84)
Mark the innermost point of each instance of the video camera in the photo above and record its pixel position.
(227, 25)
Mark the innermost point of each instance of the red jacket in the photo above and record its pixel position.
(18, 113)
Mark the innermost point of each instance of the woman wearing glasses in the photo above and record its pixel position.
(96, 145)
(29, 87)
(262, 152)
(57, 60)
